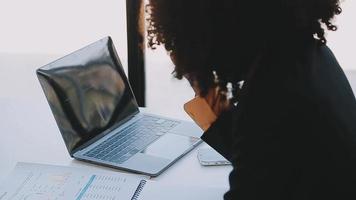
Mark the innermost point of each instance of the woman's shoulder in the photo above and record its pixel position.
(326, 78)
(310, 76)
(308, 70)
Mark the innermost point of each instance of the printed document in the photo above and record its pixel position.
(46, 182)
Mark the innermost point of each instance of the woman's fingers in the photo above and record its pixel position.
(217, 100)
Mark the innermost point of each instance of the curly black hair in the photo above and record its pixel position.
(224, 35)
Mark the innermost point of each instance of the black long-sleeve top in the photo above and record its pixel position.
(293, 133)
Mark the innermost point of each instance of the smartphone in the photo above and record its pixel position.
(210, 157)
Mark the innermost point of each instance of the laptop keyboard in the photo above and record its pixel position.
(134, 138)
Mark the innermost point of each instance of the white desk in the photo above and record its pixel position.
(28, 131)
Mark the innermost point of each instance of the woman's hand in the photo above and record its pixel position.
(215, 98)
(205, 110)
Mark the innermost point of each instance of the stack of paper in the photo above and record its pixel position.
(47, 182)
(40, 182)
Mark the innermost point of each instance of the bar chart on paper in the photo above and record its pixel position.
(41, 182)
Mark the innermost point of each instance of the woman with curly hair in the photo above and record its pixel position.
(283, 111)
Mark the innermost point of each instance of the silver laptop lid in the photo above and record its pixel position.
(88, 92)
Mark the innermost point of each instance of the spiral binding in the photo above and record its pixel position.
(139, 190)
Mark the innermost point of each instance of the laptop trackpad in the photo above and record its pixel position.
(146, 164)
(170, 146)
(160, 153)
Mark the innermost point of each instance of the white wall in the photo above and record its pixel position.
(61, 26)
(343, 42)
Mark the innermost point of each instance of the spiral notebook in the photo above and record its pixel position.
(38, 182)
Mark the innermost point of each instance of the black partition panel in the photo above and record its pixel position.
(136, 48)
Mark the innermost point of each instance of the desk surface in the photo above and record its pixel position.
(29, 132)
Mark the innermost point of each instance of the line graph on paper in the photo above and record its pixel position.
(48, 186)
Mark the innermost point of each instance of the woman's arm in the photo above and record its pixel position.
(265, 170)
(220, 134)
(214, 115)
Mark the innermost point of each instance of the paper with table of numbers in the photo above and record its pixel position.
(48, 182)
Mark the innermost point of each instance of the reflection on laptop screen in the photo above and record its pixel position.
(88, 92)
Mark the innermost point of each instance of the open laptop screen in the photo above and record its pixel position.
(88, 92)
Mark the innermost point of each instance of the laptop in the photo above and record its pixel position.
(99, 119)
